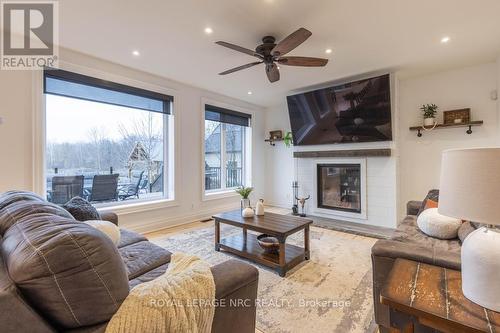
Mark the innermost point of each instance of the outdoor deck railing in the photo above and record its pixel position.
(213, 177)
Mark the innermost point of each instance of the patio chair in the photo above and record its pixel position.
(132, 189)
(104, 188)
(64, 188)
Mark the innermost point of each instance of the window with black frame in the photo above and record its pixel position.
(225, 148)
(105, 141)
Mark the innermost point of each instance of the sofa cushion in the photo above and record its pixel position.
(431, 195)
(128, 237)
(409, 233)
(16, 315)
(81, 209)
(142, 257)
(71, 273)
(148, 276)
(18, 205)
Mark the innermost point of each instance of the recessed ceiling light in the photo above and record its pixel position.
(445, 40)
(278, 67)
(328, 51)
(208, 30)
(136, 53)
(249, 92)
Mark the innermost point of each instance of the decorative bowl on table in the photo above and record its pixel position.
(269, 243)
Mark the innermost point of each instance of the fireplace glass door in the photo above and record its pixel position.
(339, 187)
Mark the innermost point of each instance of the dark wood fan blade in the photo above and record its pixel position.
(232, 70)
(291, 42)
(238, 48)
(303, 61)
(273, 74)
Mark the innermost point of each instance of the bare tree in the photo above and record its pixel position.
(145, 134)
(97, 136)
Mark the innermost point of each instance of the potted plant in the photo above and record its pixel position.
(288, 140)
(429, 111)
(245, 193)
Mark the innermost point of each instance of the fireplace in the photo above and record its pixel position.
(339, 187)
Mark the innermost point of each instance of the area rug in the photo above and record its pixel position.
(332, 292)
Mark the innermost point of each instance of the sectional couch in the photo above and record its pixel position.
(409, 242)
(61, 275)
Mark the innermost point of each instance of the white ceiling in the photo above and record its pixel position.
(365, 35)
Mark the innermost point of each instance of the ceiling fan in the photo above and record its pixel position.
(272, 54)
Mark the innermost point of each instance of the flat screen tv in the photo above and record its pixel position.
(358, 111)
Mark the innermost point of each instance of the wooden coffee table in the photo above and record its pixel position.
(247, 246)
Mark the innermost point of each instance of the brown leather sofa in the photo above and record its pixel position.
(61, 275)
(410, 243)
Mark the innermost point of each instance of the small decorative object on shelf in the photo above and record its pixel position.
(302, 202)
(429, 111)
(259, 208)
(274, 136)
(456, 116)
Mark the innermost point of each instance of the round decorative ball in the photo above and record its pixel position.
(247, 212)
(439, 226)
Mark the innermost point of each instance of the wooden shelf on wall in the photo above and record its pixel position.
(344, 153)
(419, 129)
(272, 142)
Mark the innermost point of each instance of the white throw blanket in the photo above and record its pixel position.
(181, 300)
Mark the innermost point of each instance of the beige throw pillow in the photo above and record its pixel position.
(439, 226)
(108, 228)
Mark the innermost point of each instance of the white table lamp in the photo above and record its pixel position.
(470, 190)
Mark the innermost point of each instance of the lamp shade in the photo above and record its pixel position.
(470, 185)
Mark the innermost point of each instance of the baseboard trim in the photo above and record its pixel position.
(165, 223)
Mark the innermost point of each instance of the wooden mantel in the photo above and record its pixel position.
(385, 152)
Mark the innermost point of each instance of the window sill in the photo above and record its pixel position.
(219, 195)
(138, 207)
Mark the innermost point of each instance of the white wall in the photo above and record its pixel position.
(461, 88)
(15, 131)
(417, 159)
(16, 142)
(280, 164)
(498, 96)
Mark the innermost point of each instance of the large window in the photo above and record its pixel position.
(226, 142)
(105, 141)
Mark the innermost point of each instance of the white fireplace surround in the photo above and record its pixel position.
(378, 192)
(315, 210)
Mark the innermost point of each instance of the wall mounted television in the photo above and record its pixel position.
(358, 111)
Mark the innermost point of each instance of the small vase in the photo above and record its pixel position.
(429, 121)
(245, 203)
(259, 208)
